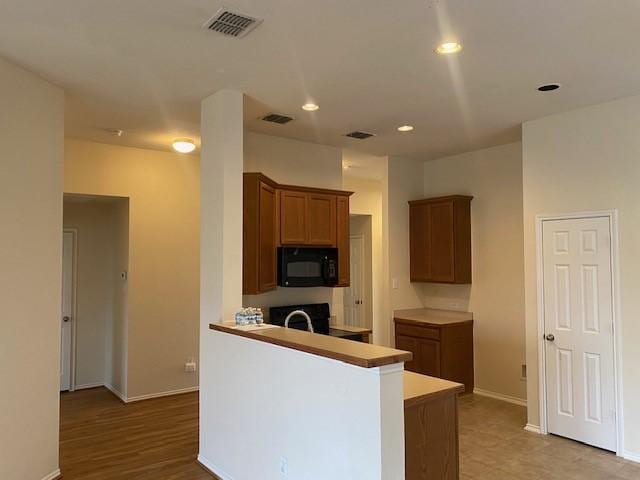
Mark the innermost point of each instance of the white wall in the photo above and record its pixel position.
(405, 181)
(293, 162)
(584, 160)
(164, 238)
(31, 163)
(98, 287)
(325, 418)
(496, 296)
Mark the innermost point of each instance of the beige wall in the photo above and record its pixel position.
(295, 163)
(98, 285)
(163, 292)
(405, 181)
(361, 226)
(587, 160)
(496, 296)
(117, 370)
(368, 200)
(31, 135)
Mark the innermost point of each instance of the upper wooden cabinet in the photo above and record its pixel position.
(343, 241)
(260, 235)
(440, 239)
(293, 218)
(276, 215)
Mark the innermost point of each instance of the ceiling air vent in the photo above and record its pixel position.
(277, 118)
(360, 135)
(230, 23)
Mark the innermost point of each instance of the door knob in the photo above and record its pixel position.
(549, 337)
(66, 319)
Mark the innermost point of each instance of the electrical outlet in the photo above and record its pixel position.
(190, 367)
(394, 283)
(284, 467)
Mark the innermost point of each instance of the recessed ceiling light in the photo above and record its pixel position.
(405, 128)
(310, 107)
(549, 87)
(184, 145)
(448, 48)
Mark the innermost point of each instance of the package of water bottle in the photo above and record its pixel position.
(249, 316)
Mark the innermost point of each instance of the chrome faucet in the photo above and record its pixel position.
(299, 312)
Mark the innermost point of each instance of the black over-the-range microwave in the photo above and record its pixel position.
(307, 267)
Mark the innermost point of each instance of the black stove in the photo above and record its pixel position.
(319, 314)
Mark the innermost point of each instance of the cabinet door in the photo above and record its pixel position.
(343, 242)
(441, 242)
(419, 242)
(321, 219)
(409, 344)
(267, 256)
(428, 358)
(293, 218)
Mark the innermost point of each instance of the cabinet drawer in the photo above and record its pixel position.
(420, 332)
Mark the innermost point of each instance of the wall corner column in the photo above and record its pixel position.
(221, 168)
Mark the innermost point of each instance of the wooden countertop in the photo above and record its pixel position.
(421, 388)
(432, 316)
(349, 328)
(356, 353)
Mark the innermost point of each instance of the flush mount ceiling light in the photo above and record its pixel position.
(405, 128)
(549, 87)
(184, 145)
(310, 107)
(447, 48)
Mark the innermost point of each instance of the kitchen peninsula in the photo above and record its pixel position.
(308, 406)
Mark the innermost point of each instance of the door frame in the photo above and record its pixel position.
(612, 215)
(74, 308)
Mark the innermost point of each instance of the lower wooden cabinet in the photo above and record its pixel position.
(431, 436)
(443, 351)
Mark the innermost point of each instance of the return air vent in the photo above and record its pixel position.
(232, 24)
(360, 135)
(277, 118)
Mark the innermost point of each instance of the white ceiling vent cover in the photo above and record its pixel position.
(232, 24)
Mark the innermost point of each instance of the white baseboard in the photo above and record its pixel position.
(213, 469)
(116, 392)
(162, 394)
(89, 385)
(148, 396)
(53, 475)
(631, 456)
(499, 396)
(532, 428)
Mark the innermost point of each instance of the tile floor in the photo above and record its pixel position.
(494, 446)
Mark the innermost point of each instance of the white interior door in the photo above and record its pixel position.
(354, 294)
(67, 310)
(578, 321)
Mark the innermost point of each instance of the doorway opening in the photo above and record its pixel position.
(579, 355)
(358, 297)
(94, 295)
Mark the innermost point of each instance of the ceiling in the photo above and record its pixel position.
(144, 66)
